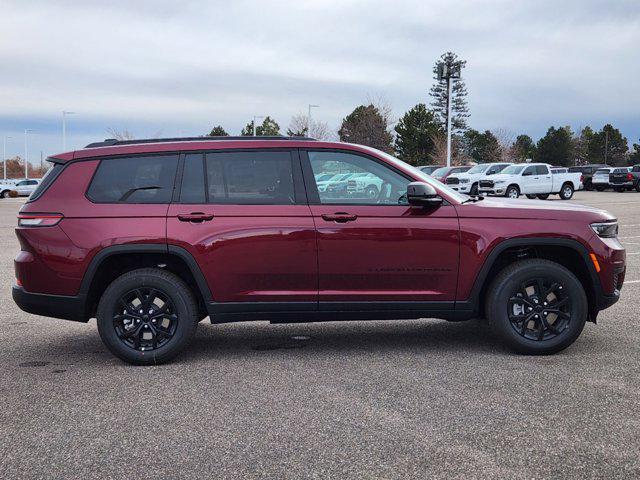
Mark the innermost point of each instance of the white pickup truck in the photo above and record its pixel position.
(24, 188)
(532, 179)
(467, 182)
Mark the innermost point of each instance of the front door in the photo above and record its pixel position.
(372, 246)
(244, 217)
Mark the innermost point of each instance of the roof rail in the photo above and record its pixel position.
(109, 142)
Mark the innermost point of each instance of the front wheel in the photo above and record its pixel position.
(566, 192)
(537, 307)
(372, 191)
(601, 189)
(4, 194)
(474, 190)
(619, 189)
(147, 316)
(512, 192)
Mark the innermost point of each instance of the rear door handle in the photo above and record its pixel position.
(340, 217)
(195, 217)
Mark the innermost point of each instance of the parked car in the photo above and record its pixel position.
(337, 178)
(237, 229)
(443, 173)
(429, 169)
(367, 184)
(23, 188)
(600, 179)
(532, 179)
(622, 179)
(587, 172)
(467, 182)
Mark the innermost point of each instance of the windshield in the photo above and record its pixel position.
(513, 170)
(460, 197)
(479, 168)
(439, 172)
(602, 170)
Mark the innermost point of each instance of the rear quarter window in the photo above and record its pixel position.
(46, 181)
(135, 179)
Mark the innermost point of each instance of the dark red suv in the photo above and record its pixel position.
(150, 237)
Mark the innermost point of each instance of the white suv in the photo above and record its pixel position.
(23, 187)
(467, 182)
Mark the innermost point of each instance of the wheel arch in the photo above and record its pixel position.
(564, 251)
(113, 261)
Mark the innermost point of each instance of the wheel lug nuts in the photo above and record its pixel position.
(544, 313)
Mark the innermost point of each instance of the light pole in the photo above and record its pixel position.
(255, 117)
(448, 72)
(309, 119)
(64, 129)
(606, 146)
(26, 153)
(4, 155)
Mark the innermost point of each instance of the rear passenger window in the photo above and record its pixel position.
(542, 170)
(250, 178)
(140, 179)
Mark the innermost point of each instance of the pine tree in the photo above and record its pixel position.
(524, 148)
(608, 146)
(366, 126)
(416, 133)
(268, 128)
(482, 147)
(440, 95)
(634, 156)
(556, 147)
(218, 131)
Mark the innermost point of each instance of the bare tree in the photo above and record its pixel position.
(298, 127)
(506, 139)
(120, 134)
(439, 154)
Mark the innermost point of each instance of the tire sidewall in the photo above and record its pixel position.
(184, 310)
(509, 189)
(498, 307)
(566, 196)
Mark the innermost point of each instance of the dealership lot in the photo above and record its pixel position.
(337, 400)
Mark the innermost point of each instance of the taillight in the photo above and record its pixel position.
(39, 219)
(629, 177)
(581, 178)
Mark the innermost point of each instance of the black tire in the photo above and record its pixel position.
(638, 187)
(512, 191)
(601, 189)
(4, 194)
(372, 191)
(181, 308)
(566, 192)
(619, 189)
(517, 279)
(474, 190)
(531, 197)
(543, 196)
(588, 186)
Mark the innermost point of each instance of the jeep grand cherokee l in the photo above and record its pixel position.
(151, 237)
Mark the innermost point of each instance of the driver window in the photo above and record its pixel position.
(346, 178)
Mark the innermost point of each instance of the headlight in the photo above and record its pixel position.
(606, 229)
(464, 180)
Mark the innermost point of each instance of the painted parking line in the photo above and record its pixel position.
(631, 281)
(634, 253)
(631, 225)
(632, 236)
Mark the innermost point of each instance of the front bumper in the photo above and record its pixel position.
(55, 306)
(493, 191)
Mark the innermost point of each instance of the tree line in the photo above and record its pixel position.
(419, 135)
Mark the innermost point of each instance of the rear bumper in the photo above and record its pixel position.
(55, 306)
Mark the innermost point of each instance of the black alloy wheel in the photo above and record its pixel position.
(146, 319)
(539, 309)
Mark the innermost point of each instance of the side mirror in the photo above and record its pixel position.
(422, 195)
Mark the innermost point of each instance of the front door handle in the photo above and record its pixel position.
(339, 217)
(195, 217)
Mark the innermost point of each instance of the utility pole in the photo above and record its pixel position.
(64, 129)
(309, 119)
(4, 155)
(26, 153)
(448, 72)
(254, 123)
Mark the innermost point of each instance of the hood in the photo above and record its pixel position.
(532, 209)
(499, 176)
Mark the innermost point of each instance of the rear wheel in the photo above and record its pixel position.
(512, 191)
(147, 316)
(531, 197)
(566, 192)
(537, 306)
(601, 189)
(543, 196)
(638, 187)
(619, 189)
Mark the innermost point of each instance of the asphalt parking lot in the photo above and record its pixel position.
(409, 399)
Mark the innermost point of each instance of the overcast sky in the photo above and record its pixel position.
(178, 68)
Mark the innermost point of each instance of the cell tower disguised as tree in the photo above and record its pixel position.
(449, 66)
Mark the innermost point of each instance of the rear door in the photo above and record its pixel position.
(244, 217)
(372, 246)
(528, 180)
(543, 179)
